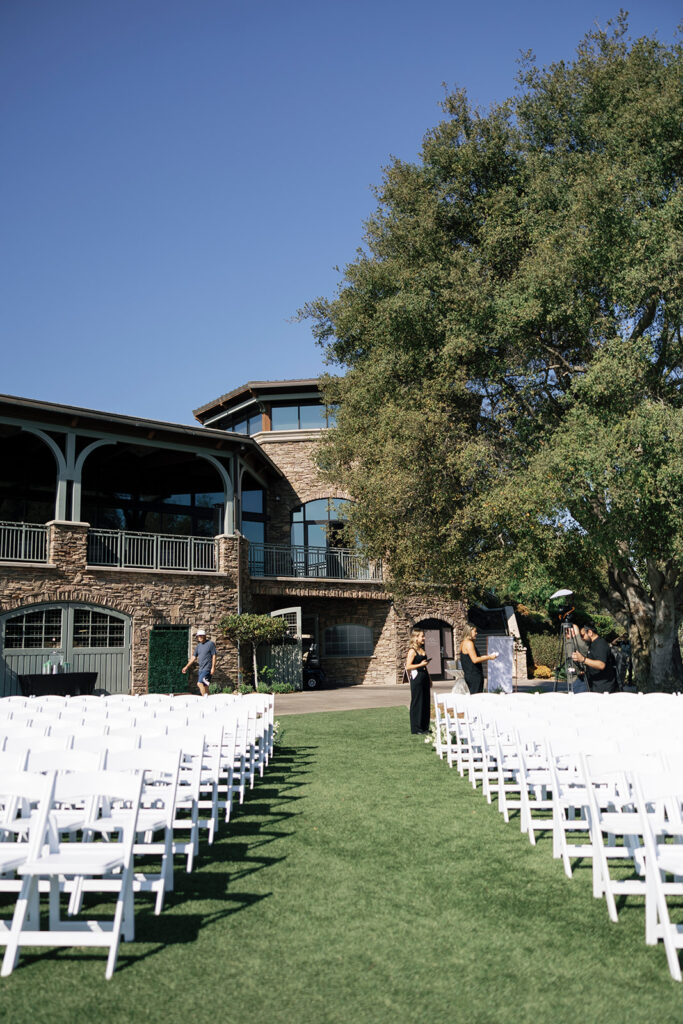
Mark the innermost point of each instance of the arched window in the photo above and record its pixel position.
(348, 641)
(319, 524)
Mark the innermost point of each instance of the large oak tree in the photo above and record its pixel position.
(511, 339)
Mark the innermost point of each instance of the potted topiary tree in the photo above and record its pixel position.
(251, 630)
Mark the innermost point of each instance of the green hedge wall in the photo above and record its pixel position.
(167, 656)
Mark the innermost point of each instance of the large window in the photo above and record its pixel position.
(97, 629)
(198, 514)
(248, 424)
(254, 523)
(298, 417)
(319, 523)
(41, 629)
(348, 641)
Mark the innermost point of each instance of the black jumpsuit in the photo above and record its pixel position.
(419, 697)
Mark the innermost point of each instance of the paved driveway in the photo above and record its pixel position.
(348, 698)
(351, 698)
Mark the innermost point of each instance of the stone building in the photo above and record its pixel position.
(120, 535)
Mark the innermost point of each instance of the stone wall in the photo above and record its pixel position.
(417, 608)
(295, 457)
(390, 625)
(378, 615)
(149, 597)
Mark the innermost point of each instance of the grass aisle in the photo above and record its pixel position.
(363, 881)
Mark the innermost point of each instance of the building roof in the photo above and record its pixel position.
(95, 421)
(254, 389)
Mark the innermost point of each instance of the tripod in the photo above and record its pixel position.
(568, 645)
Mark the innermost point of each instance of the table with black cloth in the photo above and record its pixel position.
(61, 684)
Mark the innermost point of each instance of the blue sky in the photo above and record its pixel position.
(179, 176)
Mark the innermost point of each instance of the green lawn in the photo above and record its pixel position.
(363, 880)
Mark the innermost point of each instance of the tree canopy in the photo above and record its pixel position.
(511, 339)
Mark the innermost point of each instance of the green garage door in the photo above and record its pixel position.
(88, 638)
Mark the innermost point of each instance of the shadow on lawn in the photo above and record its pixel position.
(236, 854)
(254, 824)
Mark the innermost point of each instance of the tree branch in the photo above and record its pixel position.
(646, 318)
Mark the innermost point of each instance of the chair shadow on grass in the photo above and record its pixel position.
(253, 825)
(582, 865)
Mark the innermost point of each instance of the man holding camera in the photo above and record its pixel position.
(597, 663)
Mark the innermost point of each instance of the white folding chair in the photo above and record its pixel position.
(106, 865)
(659, 799)
(568, 798)
(160, 769)
(456, 743)
(20, 794)
(440, 741)
(191, 742)
(614, 824)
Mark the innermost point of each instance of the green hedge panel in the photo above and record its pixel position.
(167, 656)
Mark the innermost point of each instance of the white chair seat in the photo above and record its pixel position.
(11, 856)
(670, 859)
(76, 859)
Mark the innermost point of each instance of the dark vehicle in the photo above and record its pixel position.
(313, 673)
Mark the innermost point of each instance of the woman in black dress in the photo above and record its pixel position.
(470, 661)
(420, 683)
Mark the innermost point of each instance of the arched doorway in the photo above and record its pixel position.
(87, 638)
(438, 644)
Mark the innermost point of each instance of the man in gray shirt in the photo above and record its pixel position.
(205, 654)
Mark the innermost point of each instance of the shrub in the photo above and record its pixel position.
(542, 672)
(543, 649)
(279, 688)
(218, 688)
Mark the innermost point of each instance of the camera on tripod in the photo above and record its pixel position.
(561, 607)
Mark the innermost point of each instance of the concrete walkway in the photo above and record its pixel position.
(354, 698)
(347, 698)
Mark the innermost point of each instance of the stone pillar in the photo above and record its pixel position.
(67, 544)
(233, 561)
(228, 555)
(519, 669)
(140, 654)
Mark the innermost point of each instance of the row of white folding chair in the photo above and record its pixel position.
(591, 793)
(504, 752)
(635, 803)
(614, 825)
(165, 790)
(658, 800)
(161, 788)
(254, 730)
(643, 728)
(227, 764)
(160, 768)
(44, 860)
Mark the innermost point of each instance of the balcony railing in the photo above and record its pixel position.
(316, 563)
(23, 542)
(126, 550)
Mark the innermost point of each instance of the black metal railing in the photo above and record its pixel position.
(126, 550)
(23, 542)
(299, 562)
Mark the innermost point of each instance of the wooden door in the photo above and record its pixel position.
(433, 649)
